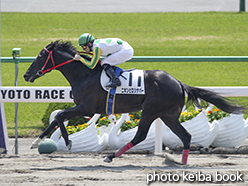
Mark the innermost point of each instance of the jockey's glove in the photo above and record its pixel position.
(77, 57)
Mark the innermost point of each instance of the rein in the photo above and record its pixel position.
(50, 56)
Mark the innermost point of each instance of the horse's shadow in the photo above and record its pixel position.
(107, 168)
(168, 164)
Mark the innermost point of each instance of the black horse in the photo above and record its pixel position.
(164, 96)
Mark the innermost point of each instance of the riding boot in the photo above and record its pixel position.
(115, 80)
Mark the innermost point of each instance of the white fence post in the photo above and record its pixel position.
(158, 136)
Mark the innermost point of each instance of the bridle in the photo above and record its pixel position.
(41, 72)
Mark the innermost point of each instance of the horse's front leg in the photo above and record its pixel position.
(59, 121)
(49, 129)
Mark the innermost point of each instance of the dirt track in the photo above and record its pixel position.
(30, 168)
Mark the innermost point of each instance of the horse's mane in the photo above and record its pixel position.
(65, 46)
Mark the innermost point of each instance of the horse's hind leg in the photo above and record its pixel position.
(143, 128)
(181, 132)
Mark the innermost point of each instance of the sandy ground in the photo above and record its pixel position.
(30, 168)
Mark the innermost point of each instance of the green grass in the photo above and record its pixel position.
(171, 34)
(156, 34)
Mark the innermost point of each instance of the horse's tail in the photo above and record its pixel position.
(221, 102)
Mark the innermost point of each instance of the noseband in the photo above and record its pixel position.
(50, 56)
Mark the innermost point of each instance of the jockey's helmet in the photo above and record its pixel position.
(85, 38)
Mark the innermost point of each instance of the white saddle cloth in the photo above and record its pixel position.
(132, 82)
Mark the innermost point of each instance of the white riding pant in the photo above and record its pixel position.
(123, 55)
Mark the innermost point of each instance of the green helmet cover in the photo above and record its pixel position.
(85, 38)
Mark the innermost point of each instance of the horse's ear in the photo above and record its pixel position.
(56, 42)
(51, 45)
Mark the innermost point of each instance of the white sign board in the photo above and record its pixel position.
(36, 94)
(64, 94)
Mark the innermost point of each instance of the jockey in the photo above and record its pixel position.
(115, 51)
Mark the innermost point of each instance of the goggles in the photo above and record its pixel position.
(84, 47)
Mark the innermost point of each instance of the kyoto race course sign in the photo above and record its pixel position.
(64, 94)
(35, 94)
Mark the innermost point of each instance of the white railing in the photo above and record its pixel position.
(64, 94)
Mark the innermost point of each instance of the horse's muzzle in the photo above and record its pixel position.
(28, 78)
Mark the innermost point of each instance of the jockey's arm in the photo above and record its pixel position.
(95, 58)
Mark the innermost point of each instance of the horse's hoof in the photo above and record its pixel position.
(69, 145)
(34, 146)
(36, 143)
(107, 160)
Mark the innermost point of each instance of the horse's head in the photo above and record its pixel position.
(35, 69)
(45, 61)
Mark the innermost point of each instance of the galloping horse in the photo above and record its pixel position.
(164, 96)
